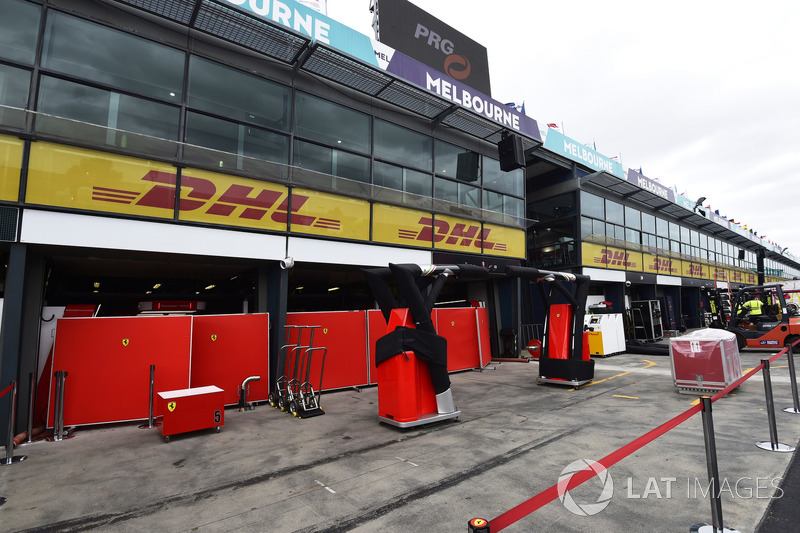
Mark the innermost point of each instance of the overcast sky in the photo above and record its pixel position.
(702, 95)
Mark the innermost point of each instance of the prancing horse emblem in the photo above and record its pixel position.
(213, 336)
(126, 342)
(171, 406)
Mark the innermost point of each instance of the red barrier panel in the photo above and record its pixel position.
(226, 349)
(344, 334)
(108, 360)
(460, 327)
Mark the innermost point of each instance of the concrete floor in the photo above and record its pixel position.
(345, 471)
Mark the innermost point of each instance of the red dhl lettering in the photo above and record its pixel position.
(460, 234)
(663, 265)
(696, 270)
(614, 258)
(252, 204)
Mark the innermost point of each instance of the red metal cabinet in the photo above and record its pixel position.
(179, 411)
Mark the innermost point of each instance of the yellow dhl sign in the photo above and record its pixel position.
(661, 265)
(83, 179)
(607, 257)
(695, 270)
(399, 225)
(10, 167)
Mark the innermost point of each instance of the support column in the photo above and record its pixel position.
(19, 342)
(272, 289)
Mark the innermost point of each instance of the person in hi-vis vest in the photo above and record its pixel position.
(752, 307)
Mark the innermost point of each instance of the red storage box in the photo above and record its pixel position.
(179, 411)
(706, 360)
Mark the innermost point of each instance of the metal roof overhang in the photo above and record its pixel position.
(630, 191)
(292, 48)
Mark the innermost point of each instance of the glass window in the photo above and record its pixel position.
(14, 86)
(506, 182)
(619, 232)
(694, 237)
(19, 31)
(648, 223)
(662, 227)
(685, 235)
(331, 124)
(632, 218)
(599, 228)
(586, 227)
(403, 146)
(592, 206)
(514, 207)
(456, 192)
(233, 138)
(329, 161)
(116, 114)
(615, 213)
(503, 203)
(83, 49)
(674, 231)
(493, 201)
(675, 246)
(632, 236)
(236, 95)
(402, 179)
(455, 162)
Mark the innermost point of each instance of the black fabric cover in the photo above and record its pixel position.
(568, 369)
(429, 347)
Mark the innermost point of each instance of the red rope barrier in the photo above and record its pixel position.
(6, 390)
(548, 495)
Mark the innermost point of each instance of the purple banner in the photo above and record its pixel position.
(419, 74)
(649, 185)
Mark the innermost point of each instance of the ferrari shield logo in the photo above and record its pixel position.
(171, 406)
(213, 336)
(126, 342)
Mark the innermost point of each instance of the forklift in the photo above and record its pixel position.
(778, 325)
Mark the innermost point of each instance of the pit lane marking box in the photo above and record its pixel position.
(704, 361)
(179, 411)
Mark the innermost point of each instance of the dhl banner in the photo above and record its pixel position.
(502, 240)
(599, 256)
(319, 213)
(399, 225)
(695, 270)
(742, 276)
(666, 266)
(83, 179)
(718, 273)
(222, 199)
(10, 167)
